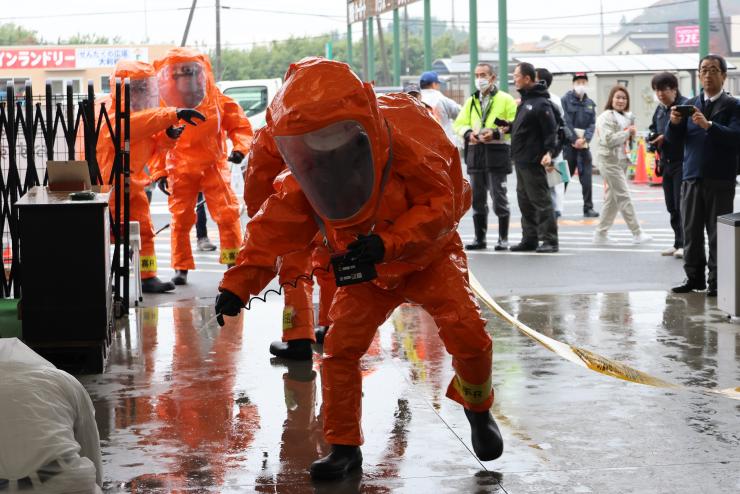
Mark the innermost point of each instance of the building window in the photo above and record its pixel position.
(105, 84)
(19, 84)
(59, 86)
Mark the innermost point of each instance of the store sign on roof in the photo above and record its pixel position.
(68, 58)
(360, 10)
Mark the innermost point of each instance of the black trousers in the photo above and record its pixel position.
(580, 159)
(484, 182)
(702, 201)
(200, 223)
(535, 204)
(672, 180)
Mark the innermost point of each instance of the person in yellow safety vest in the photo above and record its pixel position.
(487, 153)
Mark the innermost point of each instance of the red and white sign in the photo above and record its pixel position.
(687, 36)
(42, 58)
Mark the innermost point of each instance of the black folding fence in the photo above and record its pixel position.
(35, 129)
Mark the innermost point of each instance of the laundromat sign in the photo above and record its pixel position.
(68, 58)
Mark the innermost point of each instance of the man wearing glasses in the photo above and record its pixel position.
(708, 126)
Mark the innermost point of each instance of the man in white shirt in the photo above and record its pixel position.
(444, 109)
(48, 437)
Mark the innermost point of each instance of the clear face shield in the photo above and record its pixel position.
(183, 85)
(334, 166)
(144, 94)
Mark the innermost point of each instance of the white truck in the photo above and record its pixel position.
(253, 96)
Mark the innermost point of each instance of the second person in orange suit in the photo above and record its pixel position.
(153, 130)
(198, 161)
(386, 186)
(298, 314)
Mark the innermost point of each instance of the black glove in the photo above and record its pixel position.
(227, 304)
(658, 169)
(162, 185)
(174, 132)
(187, 114)
(367, 249)
(236, 156)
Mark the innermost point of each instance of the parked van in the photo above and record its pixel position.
(253, 96)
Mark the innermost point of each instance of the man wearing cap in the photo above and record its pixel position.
(445, 110)
(580, 117)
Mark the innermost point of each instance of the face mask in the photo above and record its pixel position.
(580, 89)
(482, 84)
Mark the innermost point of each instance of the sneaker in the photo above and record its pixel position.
(671, 251)
(641, 238)
(205, 245)
(523, 247)
(477, 245)
(590, 213)
(547, 248)
(181, 277)
(689, 285)
(501, 245)
(601, 238)
(679, 253)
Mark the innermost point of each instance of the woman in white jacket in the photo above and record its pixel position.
(615, 129)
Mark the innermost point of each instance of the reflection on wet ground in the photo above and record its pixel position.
(184, 408)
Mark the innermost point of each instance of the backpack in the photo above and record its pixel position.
(562, 133)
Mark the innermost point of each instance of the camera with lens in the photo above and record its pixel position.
(651, 148)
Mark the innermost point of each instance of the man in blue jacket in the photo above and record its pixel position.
(579, 113)
(710, 133)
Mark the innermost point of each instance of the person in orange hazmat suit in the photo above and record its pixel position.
(153, 129)
(198, 160)
(298, 314)
(386, 187)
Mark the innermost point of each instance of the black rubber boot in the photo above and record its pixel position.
(293, 349)
(487, 442)
(155, 285)
(338, 463)
(503, 234)
(480, 223)
(321, 334)
(181, 277)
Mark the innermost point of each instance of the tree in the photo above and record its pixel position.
(89, 39)
(12, 34)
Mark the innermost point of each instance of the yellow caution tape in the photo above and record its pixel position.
(586, 358)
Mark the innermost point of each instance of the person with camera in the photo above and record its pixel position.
(668, 158)
(487, 153)
(533, 146)
(708, 127)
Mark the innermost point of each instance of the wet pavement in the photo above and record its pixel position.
(183, 408)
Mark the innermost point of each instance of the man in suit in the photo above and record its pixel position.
(710, 134)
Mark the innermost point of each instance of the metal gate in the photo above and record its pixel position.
(36, 129)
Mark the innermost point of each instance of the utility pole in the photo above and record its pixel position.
(601, 14)
(427, 35)
(503, 47)
(187, 26)
(364, 51)
(218, 40)
(703, 28)
(370, 51)
(473, 41)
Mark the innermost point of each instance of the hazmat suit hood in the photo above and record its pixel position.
(329, 131)
(143, 81)
(186, 79)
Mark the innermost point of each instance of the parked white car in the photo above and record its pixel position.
(253, 96)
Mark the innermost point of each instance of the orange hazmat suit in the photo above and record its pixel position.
(197, 162)
(148, 123)
(339, 141)
(265, 164)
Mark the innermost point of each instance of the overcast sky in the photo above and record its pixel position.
(247, 22)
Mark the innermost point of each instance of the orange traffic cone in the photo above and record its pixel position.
(640, 168)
